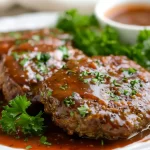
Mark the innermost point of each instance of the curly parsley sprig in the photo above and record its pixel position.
(92, 40)
(16, 119)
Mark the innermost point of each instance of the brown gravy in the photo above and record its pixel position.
(132, 14)
(61, 141)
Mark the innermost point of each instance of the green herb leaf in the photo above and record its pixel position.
(133, 83)
(69, 101)
(83, 110)
(38, 77)
(24, 61)
(85, 81)
(15, 118)
(42, 67)
(98, 77)
(64, 50)
(84, 73)
(15, 55)
(126, 92)
(102, 142)
(28, 147)
(114, 96)
(134, 92)
(64, 87)
(71, 113)
(89, 37)
(43, 57)
(49, 93)
(36, 38)
(43, 140)
(116, 84)
(15, 35)
(130, 70)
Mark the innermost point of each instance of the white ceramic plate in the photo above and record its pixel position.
(40, 20)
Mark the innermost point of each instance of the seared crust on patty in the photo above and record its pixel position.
(99, 97)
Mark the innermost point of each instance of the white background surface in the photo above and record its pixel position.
(85, 6)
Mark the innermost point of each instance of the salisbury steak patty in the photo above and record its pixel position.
(43, 36)
(26, 66)
(100, 97)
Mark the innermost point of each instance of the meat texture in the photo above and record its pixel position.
(28, 64)
(42, 36)
(100, 97)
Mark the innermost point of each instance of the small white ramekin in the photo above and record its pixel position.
(127, 33)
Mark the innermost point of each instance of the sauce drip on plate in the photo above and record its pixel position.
(61, 141)
(132, 14)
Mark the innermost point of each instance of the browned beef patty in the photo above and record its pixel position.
(100, 97)
(43, 36)
(27, 65)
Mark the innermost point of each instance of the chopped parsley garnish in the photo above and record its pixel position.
(130, 71)
(98, 78)
(28, 147)
(83, 110)
(15, 35)
(15, 55)
(71, 113)
(42, 67)
(38, 56)
(43, 57)
(46, 93)
(64, 87)
(126, 92)
(69, 101)
(102, 142)
(24, 61)
(85, 81)
(15, 118)
(64, 66)
(64, 50)
(97, 62)
(84, 73)
(125, 79)
(38, 77)
(134, 92)
(43, 140)
(49, 93)
(94, 80)
(113, 96)
(36, 38)
(133, 83)
(114, 82)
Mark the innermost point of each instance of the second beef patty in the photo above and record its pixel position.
(101, 97)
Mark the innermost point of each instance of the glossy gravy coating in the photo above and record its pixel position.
(132, 14)
(61, 141)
